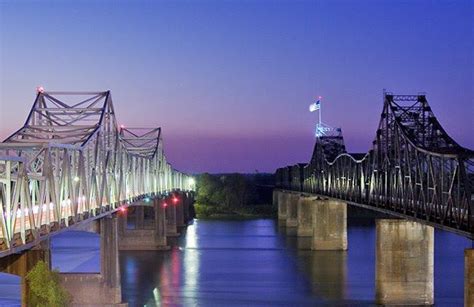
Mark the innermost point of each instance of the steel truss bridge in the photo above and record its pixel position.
(71, 162)
(414, 169)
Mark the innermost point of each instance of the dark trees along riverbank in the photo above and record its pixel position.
(234, 194)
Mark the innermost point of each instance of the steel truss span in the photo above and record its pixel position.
(414, 170)
(71, 162)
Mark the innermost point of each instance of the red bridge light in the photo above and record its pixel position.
(165, 205)
(175, 199)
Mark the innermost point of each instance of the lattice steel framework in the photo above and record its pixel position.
(70, 161)
(415, 169)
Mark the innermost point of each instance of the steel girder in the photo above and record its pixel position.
(71, 162)
(414, 169)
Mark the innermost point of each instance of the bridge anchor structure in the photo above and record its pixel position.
(414, 172)
(70, 166)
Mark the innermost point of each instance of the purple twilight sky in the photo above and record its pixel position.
(230, 81)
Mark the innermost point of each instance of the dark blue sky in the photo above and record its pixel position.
(230, 81)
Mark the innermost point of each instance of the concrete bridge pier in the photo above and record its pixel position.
(178, 202)
(469, 277)
(190, 197)
(329, 224)
(292, 213)
(275, 198)
(21, 264)
(149, 228)
(282, 207)
(404, 263)
(103, 289)
(304, 226)
(170, 212)
(186, 207)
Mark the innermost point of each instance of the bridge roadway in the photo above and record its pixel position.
(71, 166)
(415, 172)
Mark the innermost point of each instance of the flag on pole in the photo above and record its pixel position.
(315, 106)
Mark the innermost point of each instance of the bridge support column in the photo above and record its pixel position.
(192, 213)
(139, 217)
(186, 205)
(469, 277)
(171, 229)
(180, 223)
(160, 223)
(292, 213)
(275, 198)
(329, 225)
(282, 208)
(305, 216)
(152, 234)
(21, 264)
(104, 288)
(404, 263)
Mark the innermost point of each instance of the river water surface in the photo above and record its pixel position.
(254, 263)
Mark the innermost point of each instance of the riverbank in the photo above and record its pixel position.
(226, 213)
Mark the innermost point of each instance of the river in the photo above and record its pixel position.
(254, 263)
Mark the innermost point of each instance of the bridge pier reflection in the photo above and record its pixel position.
(329, 274)
(469, 277)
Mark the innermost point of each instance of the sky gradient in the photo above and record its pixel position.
(230, 81)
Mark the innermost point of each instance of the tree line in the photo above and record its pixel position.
(233, 190)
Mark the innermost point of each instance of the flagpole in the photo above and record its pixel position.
(320, 106)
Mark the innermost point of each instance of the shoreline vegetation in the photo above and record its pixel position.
(234, 196)
(220, 212)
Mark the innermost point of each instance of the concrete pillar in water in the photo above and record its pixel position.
(282, 209)
(139, 217)
(404, 263)
(292, 210)
(329, 225)
(179, 204)
(104, 289)
(160, 222)
(171, 229)
(109, 260)
(150, 237)
(186, 205)
(21, 264)
(275, 198)
(305, 216)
